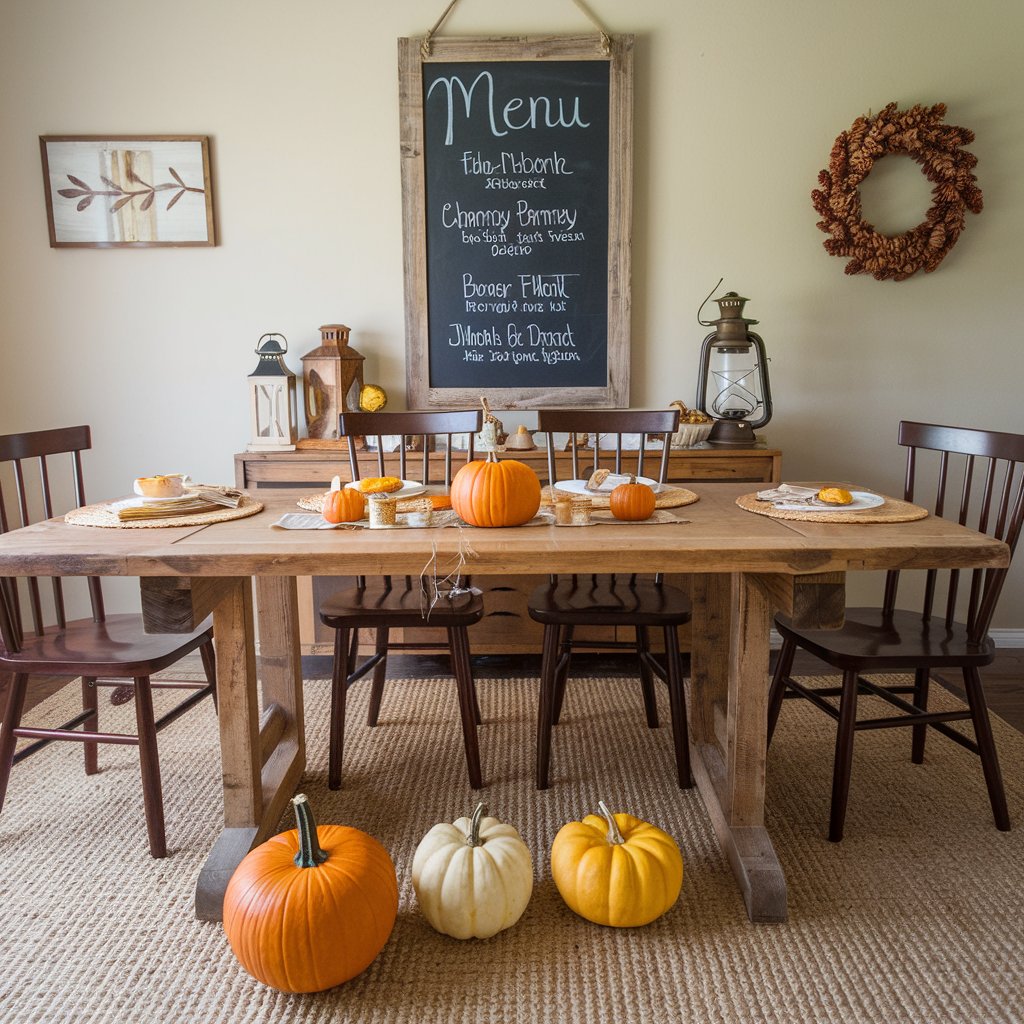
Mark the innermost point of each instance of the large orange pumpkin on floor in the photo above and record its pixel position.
(493, 493)
(311, 908)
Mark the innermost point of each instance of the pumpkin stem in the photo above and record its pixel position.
(473, 835)
(310, 854)
(614, 835)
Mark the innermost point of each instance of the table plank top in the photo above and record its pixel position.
(716, 536)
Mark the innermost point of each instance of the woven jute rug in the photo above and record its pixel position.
(917, 916)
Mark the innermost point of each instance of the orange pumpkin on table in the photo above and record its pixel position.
(345, 505)
(311, 908)
(632, 501)
(496, 493)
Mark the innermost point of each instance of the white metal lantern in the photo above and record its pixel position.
(272, 399)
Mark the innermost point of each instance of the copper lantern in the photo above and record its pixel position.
(732, 386)
(272, 398)
(332, 378)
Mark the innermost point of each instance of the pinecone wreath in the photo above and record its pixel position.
(921, 135)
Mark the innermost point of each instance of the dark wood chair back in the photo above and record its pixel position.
(606, 430)
(30, 499)
(417, 433)
(610, 425)
(978, 481)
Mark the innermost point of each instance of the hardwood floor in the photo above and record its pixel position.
(1004, 678)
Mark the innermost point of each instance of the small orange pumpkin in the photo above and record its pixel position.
(493, 493)
(311, 908)
(346, 505)
(632, 501)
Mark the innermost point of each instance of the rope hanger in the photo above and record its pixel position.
(606, 39)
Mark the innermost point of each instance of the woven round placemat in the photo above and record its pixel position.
(667, 497)
(894, 510)
(104, 515)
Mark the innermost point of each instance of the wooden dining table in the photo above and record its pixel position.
(744, 567)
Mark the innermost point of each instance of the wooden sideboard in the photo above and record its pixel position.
(506, 628)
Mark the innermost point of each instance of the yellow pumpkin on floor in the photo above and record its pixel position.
(617, 870)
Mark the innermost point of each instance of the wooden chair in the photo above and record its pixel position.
(386, 604)
(565, 603)
(983, 473)
(102, 646)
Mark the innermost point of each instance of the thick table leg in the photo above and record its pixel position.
(728, 724)
(281, 684)
(261, 757)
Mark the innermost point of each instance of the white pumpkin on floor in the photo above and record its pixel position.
(474, 877)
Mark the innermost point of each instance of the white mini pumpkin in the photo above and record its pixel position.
(474, 877)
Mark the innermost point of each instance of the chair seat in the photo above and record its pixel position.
(397, 607)
(609, 601)
(118, 646)
(867, 640)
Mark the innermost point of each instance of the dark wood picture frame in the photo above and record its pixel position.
(128, 191)
(420, 391)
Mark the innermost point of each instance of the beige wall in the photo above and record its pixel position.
(737, 105)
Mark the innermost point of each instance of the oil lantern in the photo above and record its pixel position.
(732, 386)
(272, 398)
(332, 378)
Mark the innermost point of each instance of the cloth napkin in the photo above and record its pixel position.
(609, 483)
(789, 494)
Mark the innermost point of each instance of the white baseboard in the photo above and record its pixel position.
(1004, 638)
(1007, 637)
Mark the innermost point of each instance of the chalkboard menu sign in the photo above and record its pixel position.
(517, 212)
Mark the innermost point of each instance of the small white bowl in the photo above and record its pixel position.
(183, 477)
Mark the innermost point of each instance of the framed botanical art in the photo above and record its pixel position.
(127, 191)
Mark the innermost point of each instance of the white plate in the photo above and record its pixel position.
(143, 500)
(407, 490)
(861, 500)
(580, 486)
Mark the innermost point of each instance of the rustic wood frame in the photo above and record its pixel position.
(419, 394)
(204, 143)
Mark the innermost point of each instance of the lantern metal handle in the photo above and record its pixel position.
(271, 334)
(708, 323)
